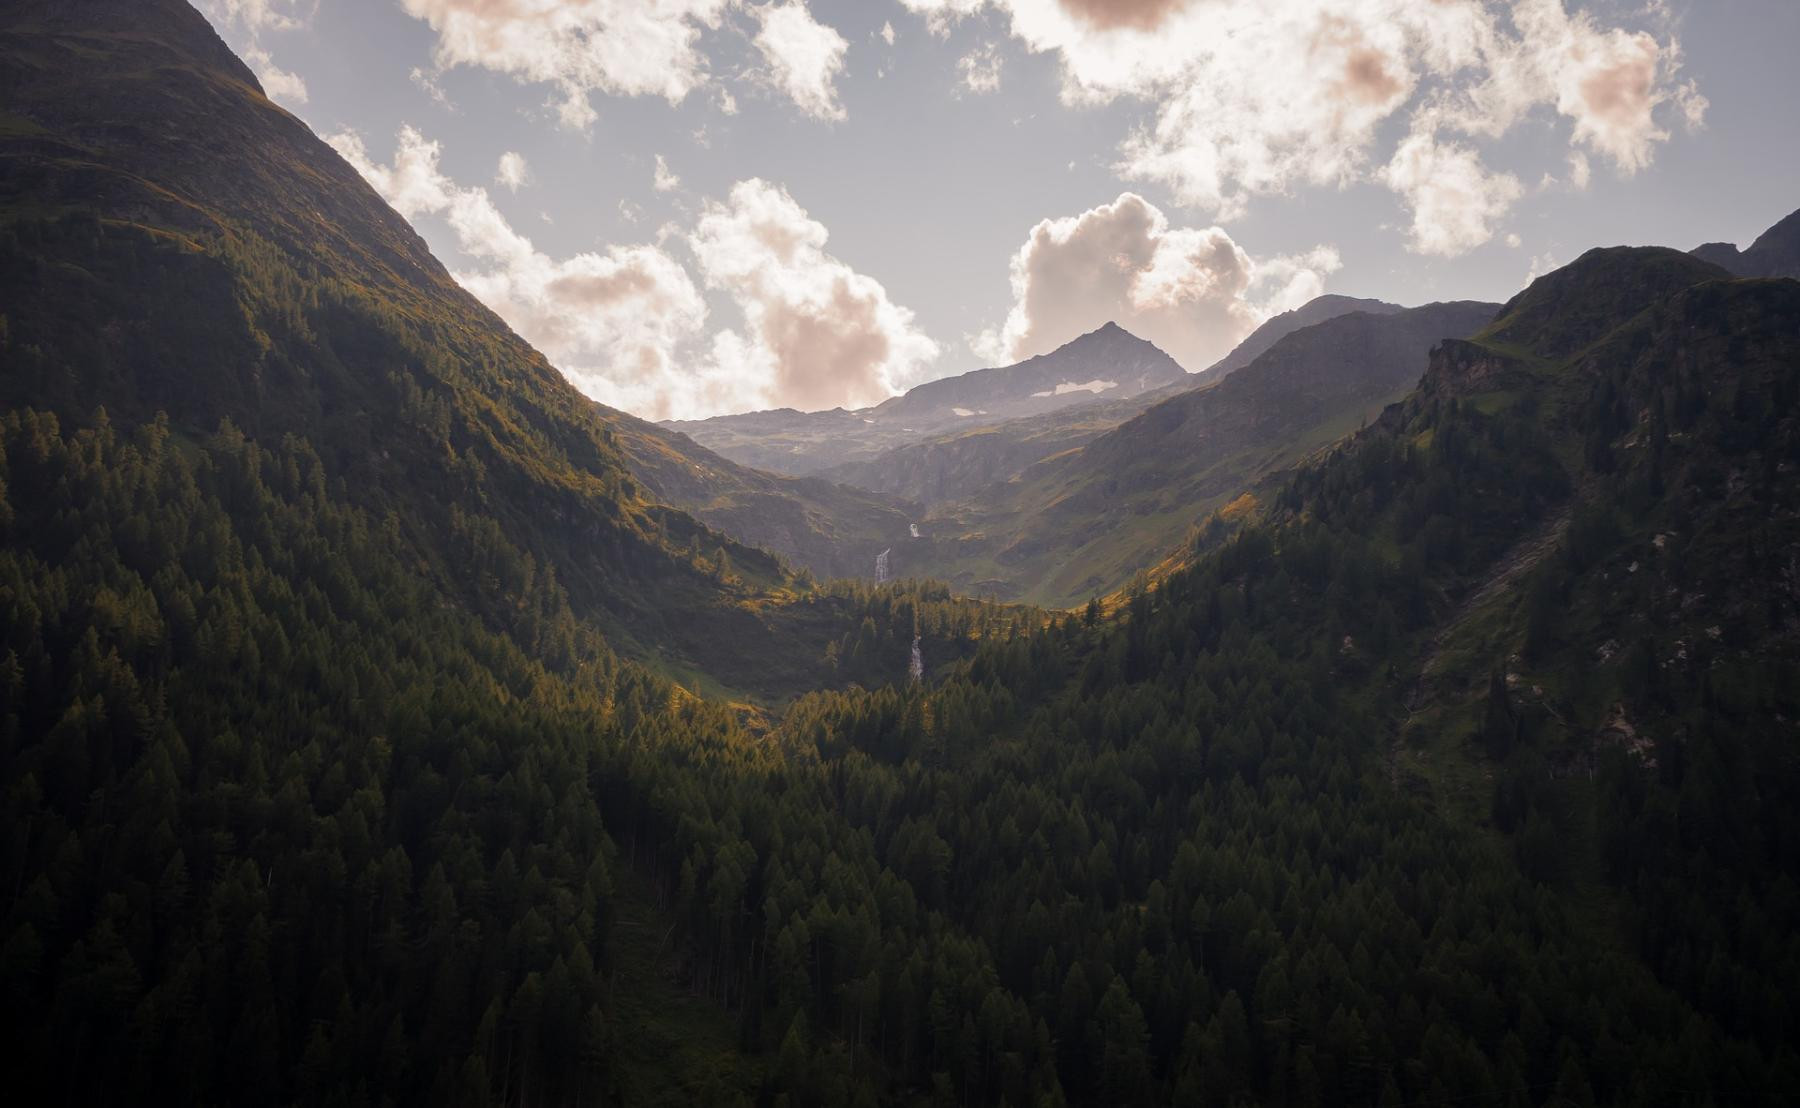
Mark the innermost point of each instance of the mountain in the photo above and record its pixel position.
(1775, 253)
(827, 529)
(331, 617)
(247, 273)
(955, 464)
(958, 463)
(1276, 327)
(1456, 768)
(1082, 523)
(1108, 363)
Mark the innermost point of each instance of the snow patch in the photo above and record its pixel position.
(1096, 386)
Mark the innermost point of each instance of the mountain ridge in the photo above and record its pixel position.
(1083, 522)
(1107, 361)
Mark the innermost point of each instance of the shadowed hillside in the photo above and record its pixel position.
(1083, 523)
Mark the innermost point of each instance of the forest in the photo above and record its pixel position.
(369, 737)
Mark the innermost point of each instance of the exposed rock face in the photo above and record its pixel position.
(1458, 366)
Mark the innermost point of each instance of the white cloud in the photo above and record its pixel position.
(1455, 201)
(1192, 291)
(1580, 172)
(259, 15)
(628, 325)
(280, 84)
(1252, 97)
(612, 321)
(513, 172)
(804, 57)
(816, 333)
(664, 178)
(980, 68)
(427, 80)
(621, 47)
(887, 33)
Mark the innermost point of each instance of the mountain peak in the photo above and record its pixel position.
(1279, 326)
(1566, 309)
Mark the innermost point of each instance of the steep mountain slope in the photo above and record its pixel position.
(1108, 363)
(959, 463)
(955, 464)
(311, 576)
(245, 272)
(1277, 327)
(1083, 523)
(824, 528)
(309, 802)
(1775, 253)
(1616, 694)
(1568, 867)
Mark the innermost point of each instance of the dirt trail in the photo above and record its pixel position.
(1521, 559)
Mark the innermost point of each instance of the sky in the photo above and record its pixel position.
(696, 207)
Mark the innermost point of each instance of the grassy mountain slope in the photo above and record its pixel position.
(958, 463)
(828, 529)
(1229, 847)
(308, 801)
(175, 243)
(1083, 523)
(1277, 327)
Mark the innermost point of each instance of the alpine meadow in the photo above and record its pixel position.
(783, 593)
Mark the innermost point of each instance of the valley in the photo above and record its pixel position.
(1403, 710)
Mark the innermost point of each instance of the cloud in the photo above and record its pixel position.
(427, 81)
(804, 57)
(980, 68)
(887, 32)
(816, 333)
(1192, 291)
(628, 324)
(1107, 15)
(1256, 97)
(664, 179)
(612, 321)
(1455, 201)
(512, 172)
(280, 84)
(259, 15)
(1580, 172)
(579, 47)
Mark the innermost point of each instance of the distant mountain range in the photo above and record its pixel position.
(927, 466)
(384, 723)
(1083, 522)
(1108, 363)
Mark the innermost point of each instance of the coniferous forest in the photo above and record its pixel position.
(369, 736)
